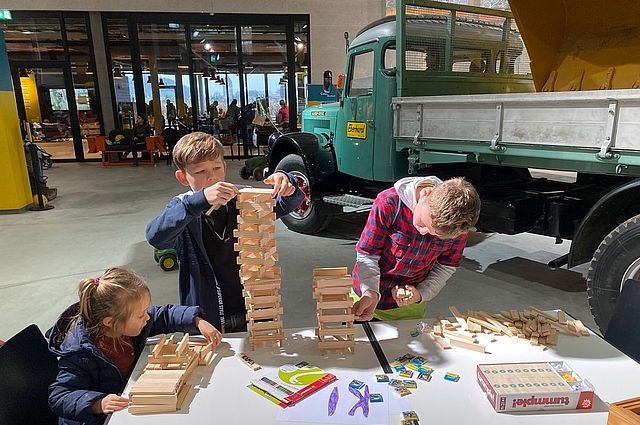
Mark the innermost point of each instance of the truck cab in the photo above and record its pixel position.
(346, 152)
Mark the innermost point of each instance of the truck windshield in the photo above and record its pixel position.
(361, 83)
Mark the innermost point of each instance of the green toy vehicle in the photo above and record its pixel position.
(254, 167)
(167, 258)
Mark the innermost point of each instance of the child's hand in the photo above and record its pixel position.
(281, 184)
(411, 295)
(363, 308)
(109, 404)
(209, 332)
(220, 193)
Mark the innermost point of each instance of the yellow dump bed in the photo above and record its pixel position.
(581, 44)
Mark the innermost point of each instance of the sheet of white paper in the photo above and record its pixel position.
(315, 408)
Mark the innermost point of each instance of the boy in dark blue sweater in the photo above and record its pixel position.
(199, 224)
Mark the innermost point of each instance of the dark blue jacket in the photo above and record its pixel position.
(180, 227)
(86, 375)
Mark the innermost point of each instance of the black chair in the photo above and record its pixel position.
(28, 368)
(623, 331)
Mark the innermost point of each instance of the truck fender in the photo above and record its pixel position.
(316, 152)
(615, 207)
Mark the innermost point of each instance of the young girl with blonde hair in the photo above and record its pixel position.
(100, 339)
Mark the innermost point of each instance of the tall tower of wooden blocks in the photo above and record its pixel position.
(331, 288)
(257, 258)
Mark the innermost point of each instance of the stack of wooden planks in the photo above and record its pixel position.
(334, 311)
(538, 327)
(164, 386)
(257, 258)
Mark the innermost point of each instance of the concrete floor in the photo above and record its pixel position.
(101, 213)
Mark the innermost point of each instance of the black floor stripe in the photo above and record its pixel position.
(377, 348)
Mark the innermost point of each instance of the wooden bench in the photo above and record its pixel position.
(154, 146)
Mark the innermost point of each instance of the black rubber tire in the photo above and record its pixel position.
(614, 255)
(318, 218)
(245, 173)
(168, 262)
(258, 174)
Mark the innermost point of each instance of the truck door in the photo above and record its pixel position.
(356, 128)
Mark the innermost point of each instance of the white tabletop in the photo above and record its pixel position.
(221, 394)
(614, 376)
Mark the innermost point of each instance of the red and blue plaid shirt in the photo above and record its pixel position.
(406, 256)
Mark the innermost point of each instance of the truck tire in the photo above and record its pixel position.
(616, 260)
(309, 217)
(245, 173)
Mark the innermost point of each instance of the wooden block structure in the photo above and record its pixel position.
(626, 412)
(331, 288)
(163, 386)
(533, 325)
(259, 275)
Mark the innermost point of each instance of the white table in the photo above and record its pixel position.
(222, 395)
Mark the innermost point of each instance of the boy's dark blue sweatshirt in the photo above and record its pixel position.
(180, 227)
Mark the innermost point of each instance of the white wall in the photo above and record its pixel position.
(329, 19)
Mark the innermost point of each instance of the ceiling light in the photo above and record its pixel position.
(207, 46)
(183, 66)
(195, 33)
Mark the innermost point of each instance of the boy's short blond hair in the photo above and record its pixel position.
(196, 147)
(454, 206)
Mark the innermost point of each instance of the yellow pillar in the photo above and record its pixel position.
(15, 191)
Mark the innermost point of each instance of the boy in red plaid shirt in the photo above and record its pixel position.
(413, 242)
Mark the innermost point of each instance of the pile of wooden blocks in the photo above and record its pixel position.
(536, 326)
(257, 257)
(163, 386)
(626, 412)
(331, 288)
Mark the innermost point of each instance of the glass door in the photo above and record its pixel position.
(46, 99)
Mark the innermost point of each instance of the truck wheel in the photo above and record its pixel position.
(258, 174)
(309, 217)
(616, 260)
(245, 173)
(168, 262)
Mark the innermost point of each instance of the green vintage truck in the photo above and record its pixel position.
(450, 90)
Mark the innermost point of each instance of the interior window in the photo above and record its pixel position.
(390, 57)
(361, 75)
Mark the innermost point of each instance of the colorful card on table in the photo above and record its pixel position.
(406, 374)
(375, 398)
(291, 383)
(382, 378)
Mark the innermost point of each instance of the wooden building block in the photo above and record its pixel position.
(331, 290)
(626, 412)
(249, 361)
(168, 399)
(454, 342)
(330, 271)
(459, 336)
(150, 408)
(442, 342)
(183, 345)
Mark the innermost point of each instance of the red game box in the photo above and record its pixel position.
(534, 386)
